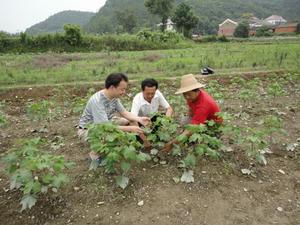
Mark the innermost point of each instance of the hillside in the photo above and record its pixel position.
(56, 22)
(210, 12)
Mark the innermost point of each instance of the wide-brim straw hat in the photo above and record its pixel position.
(188, 83)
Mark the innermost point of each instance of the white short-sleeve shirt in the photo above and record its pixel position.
(140, 107)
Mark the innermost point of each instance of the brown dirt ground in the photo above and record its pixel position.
(220, 194)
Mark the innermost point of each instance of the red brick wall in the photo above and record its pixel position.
(226, 31)
(290, 29)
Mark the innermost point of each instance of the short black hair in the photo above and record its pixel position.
(149, 82)
(114, 79)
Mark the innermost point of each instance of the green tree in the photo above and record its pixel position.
(184, 19)
(73, 34)
(127, 20)
(162, 8)
(242, 30)
(206, 26)
(263, 31)
(23, 38)
(4, 34)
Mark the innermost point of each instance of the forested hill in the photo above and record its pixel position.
(55, 23)
(210, 12)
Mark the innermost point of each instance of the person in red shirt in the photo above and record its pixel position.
(202, 107)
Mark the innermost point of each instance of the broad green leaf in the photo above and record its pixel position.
(154, 151)
(143, 157)
(113, 156)
(187, 176)
(122, 181)
(182, 138)
(176, 150)
(213, 153)
(59, 164)
(200, 150)
(195, 137)
(10, 158)
(261, 159)
(211, 123)
(42, 165)
(59, 180)
(129, 153)
(44, 189)
(25, 175)
(47, 179)
(111, 138)
(28, 187)
(164, 136)
(36, 187)
(190, 160)
(93, 165)
(109, 167)
(125, 166)
(28, 201)
(14, 182)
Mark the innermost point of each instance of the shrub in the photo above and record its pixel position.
(263, 32)
(34, 172)
(72, 34)
(119, 149)
(242, 30)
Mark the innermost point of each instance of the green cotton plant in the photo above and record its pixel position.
(238, 81)
(247, 96)
(39, 110)
(231, 133)
(258, 140)
(119, 150)
(255, 143)
(34, 172)
(3, 120)
(216, 90)
(254, 84)
(79, 103)
(272, 126)
(275, 89)
(201, 142)
(162, 130)
(42, 110)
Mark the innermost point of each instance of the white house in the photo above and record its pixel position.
(275, 20)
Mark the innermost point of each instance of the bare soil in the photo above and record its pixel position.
(221, 194)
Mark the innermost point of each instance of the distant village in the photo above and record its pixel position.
(276, 24)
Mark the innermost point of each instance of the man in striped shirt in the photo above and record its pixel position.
(103, 105)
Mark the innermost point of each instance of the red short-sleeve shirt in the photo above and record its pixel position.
(204, 108)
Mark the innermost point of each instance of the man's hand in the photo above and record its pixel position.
(135, 129)
(144, 120)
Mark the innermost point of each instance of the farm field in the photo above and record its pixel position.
(254, 180)
(51, 68)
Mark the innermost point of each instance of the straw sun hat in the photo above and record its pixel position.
(188, 83)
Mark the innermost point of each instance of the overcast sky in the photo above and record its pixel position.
(17, 15)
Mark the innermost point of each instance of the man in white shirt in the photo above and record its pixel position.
(149, 100)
